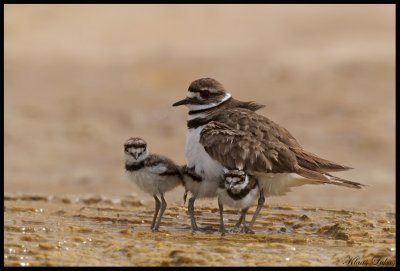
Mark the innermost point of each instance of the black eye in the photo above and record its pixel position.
(205, 94)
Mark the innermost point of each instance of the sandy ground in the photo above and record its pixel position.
(92, 230)
(80, 80)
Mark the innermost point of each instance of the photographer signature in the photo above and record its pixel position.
(375, 260)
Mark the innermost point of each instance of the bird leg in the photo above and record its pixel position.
(191, 213)
(261, 201)
(185, 196)
(155, 211)
(221, 215)
(163, 207)
(245, 228)
(236, 229)
(192, 217)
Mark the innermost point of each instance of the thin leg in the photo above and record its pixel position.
(163, 207)
(238, 223)
(192, 217)
(185, 196)
(261, 201)
(245, 228)
(155, 211)
(191, 213)
(221, 216)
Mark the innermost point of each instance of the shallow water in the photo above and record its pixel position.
(93, 230)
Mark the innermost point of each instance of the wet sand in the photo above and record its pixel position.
(94, 230)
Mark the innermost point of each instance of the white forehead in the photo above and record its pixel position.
(231, 179)
(190, 94)
(136, 149)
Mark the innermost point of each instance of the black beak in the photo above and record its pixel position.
(134, 154)
(182, 102)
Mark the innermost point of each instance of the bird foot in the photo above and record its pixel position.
(247, 230)
(223, 231)
(235, 230)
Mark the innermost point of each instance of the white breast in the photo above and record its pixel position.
(152, 183)
(242, 203)
(144, 180)
(210, 169)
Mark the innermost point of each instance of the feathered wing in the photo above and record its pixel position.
(255, 147)
(239, 149)
(161, 165)
(267, 130)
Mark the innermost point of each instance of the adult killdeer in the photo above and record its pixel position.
(154, 174)
(239, 190)
(224, 132)
(203, 173)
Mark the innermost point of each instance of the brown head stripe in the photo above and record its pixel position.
(235, 174)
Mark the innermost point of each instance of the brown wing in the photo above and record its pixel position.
(240, 149)
(266, 130)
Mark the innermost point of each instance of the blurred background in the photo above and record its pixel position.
(81, 79)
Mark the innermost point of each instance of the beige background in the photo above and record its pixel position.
(81, 79)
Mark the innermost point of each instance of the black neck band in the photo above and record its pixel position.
(134, 167)
(241, 194)
(194, 123)
(252, 185)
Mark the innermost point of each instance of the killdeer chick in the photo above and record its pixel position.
(240, 191)
(154, 174)
(224, 132)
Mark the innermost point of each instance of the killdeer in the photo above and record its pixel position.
(154, 174)
(203, 173)
(239, 190)
(224, 132)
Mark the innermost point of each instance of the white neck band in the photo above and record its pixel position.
(210, 105)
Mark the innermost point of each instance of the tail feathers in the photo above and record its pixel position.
(327, 178)
(312, 175)
(311, 161)
(342, 182)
